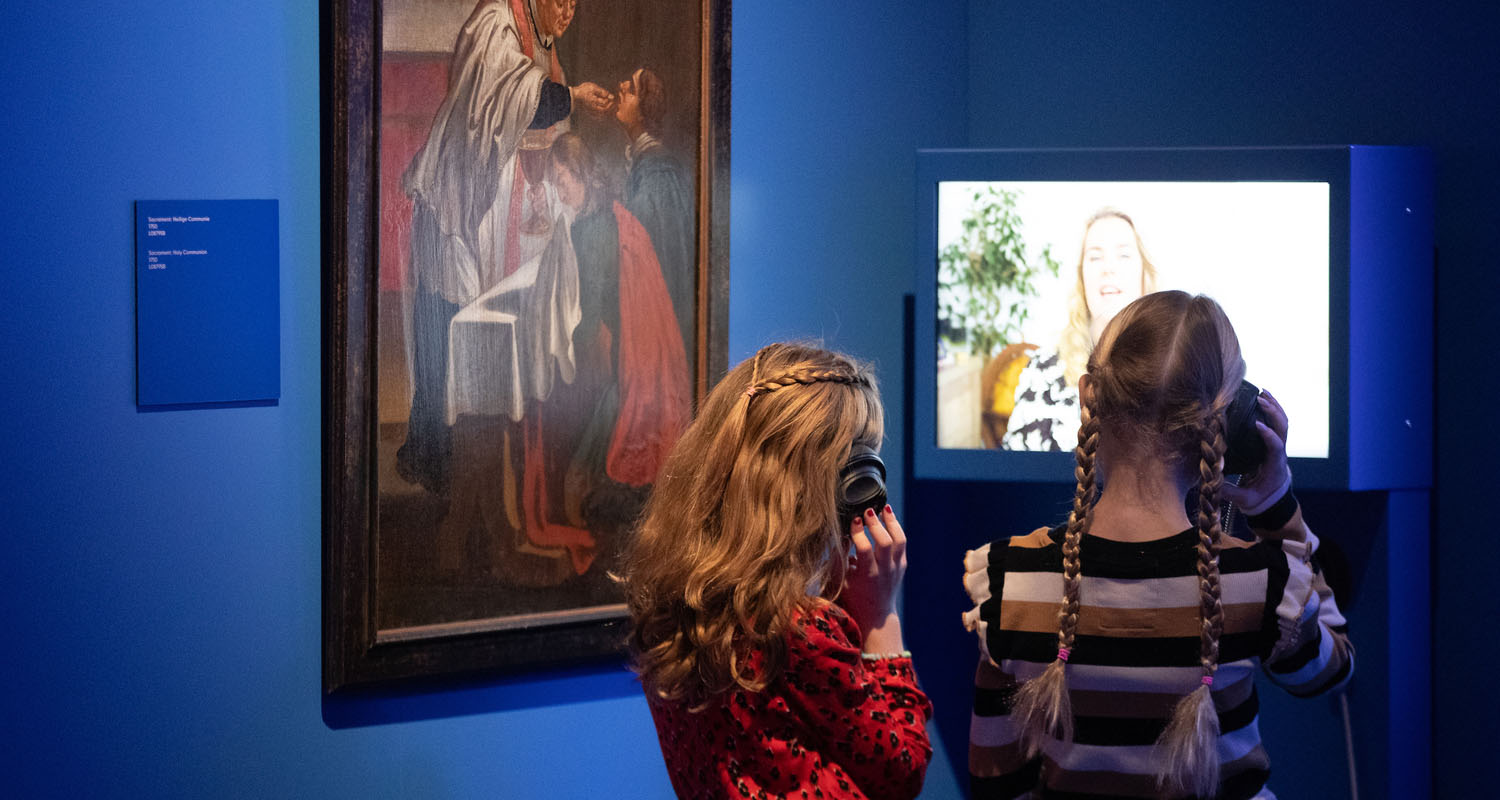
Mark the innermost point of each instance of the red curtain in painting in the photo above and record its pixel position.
(411, 89)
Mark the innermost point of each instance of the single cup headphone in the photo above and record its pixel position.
(1244, 449)
(861, 484)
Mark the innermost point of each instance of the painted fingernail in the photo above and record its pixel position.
(887, 508)
(870, 512)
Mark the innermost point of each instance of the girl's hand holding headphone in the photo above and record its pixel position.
(1273, 478)
(875, 577)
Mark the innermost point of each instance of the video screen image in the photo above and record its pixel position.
(1029, 272)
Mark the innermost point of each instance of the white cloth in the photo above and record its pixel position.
(464, 172)
(503, 346)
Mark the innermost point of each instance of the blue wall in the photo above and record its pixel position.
(1281, 73)
(162, 577)
(829, 110)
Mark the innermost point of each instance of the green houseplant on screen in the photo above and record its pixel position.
(987, 275)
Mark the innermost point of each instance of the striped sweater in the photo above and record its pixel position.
(1136, 654)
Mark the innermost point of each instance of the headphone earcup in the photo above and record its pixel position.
(861, 484)
(1244, 449)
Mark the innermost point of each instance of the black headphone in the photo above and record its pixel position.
(861, 484)
(1244, 449)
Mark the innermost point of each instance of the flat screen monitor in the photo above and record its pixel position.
(1024, 255)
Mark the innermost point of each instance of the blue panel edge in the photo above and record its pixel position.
(1391, 297)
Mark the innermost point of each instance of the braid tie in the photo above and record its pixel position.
(804, 376)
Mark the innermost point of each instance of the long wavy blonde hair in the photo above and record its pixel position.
(1077, 339)
(1163, 374)
(742, 527)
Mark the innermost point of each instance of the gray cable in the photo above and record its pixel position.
(1349, 745)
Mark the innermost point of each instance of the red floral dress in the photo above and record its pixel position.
(834, 725)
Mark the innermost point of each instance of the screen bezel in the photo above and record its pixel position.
(1328, 165)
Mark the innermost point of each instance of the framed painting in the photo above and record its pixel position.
(525, 232)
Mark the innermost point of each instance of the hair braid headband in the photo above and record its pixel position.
(804, 377)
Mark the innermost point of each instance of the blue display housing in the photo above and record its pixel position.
(1380, 298)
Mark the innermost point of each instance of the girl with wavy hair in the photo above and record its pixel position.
(772, 660)
(1119, 650)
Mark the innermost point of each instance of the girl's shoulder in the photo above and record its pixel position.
(822, 621)
(985, 567)
(1022, 545)
(988, 570)
(1037, 539)
(1025, 551)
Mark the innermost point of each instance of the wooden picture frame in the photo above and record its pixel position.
(393, 611)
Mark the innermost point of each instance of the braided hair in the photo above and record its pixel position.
(1042, 706)
(1189, 744)
(1162, 376)
(805, 375)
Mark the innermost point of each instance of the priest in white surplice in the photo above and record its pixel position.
(468, 193)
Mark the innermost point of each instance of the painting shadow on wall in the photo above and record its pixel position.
(455, 697)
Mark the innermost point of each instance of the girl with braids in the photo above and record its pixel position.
(1118, 656)
(772, 660)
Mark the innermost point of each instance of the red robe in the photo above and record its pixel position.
(654, 396)
(655, 399)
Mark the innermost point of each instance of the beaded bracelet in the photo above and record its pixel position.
(883, 656)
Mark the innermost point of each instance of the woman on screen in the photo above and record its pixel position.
(1113, 270)
(1119, 651)
(771, 658)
